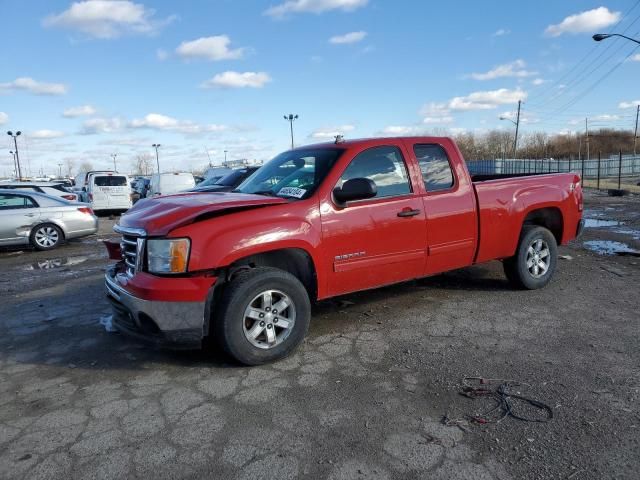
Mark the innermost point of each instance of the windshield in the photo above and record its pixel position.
(292, 174)
(232, 179)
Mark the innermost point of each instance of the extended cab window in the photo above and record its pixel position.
(8, 202)
(385, 166)
(435, 168)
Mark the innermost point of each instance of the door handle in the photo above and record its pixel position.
(409, 213)
(29, 214)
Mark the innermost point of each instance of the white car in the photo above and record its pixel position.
(109, 191)
(48, 188)
(168, 183)
(42, 220)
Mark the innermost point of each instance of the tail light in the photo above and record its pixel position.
(69, 197)
(85, 210)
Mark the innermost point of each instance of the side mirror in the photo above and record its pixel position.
(355, 189)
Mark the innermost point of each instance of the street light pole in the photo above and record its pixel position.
(598, 37)
(291, 118)
(59, 170)
(157, 146)
(225, 158)
(15, 142)
(15, 165)
(114, 155)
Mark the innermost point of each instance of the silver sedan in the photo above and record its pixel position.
(42, 220)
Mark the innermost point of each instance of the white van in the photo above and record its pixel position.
(109, 191)
(168, 183)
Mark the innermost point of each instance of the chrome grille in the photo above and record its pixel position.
(132, 246)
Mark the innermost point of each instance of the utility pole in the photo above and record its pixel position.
(225, 158)
(291, 118)
(586, 128)
(157, 146)
(515, 140)
(114, 155)
(15, 143)
(635, 135)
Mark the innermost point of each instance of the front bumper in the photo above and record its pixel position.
(179, 325)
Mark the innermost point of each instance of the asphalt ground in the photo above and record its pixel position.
(365, 395)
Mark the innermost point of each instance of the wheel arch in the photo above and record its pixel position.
(550, 218)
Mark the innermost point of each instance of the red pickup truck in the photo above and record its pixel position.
(320, 221)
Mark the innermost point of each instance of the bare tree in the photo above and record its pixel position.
(86, 166)
(70, 163)
(143, 164)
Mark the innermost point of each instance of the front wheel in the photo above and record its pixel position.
(535, 260)
(263, 315)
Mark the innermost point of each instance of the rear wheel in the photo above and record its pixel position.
(535, 260)
(263, 315)
(46, 236)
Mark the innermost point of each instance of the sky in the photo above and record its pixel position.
(85, 80)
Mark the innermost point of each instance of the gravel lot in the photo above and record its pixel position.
(364, 396)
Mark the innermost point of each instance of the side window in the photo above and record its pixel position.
(9, 202)
(435, 167)
(385, 166)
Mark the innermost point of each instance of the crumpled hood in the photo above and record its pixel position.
(159, 215)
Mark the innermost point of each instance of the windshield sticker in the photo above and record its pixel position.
(292, 192)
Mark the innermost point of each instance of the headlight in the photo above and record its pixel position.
(168, 255)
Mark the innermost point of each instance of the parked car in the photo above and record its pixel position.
(140, 188)
(321, 221)
(42, 220)
(109, 191)
(226, 183)
(216, 172)
(48, 188)
(168, 183)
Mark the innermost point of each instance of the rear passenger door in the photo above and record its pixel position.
(450, 207)
(378, 241)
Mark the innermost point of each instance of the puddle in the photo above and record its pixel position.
(608, 247)
(597, 223)
(51, 263)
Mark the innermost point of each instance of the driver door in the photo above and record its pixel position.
(378, 241)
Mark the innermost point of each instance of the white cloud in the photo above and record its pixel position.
(107, 18)
(351, 37)
(605, 117)
(329, 133)
(436, 113)
(537, 81)
(81, 111)
(513, 69)
(162, 54)
(45, 134)
(101, 125)
(313, 6)
(584, 22)
(214, 48)
(501, 32)
(631, 104)
(157, 121)
(401, 131)
(238, 80)
(634, 58)
(486, 100)
(4, 118)
(32, 86)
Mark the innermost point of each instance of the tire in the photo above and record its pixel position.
(245, 326)
(535, 260)
(46, 236)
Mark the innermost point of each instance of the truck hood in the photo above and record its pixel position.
(159, 215)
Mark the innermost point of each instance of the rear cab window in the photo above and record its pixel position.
(385, 166)
(435, 167)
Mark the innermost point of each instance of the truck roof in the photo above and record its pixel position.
(371, 142)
